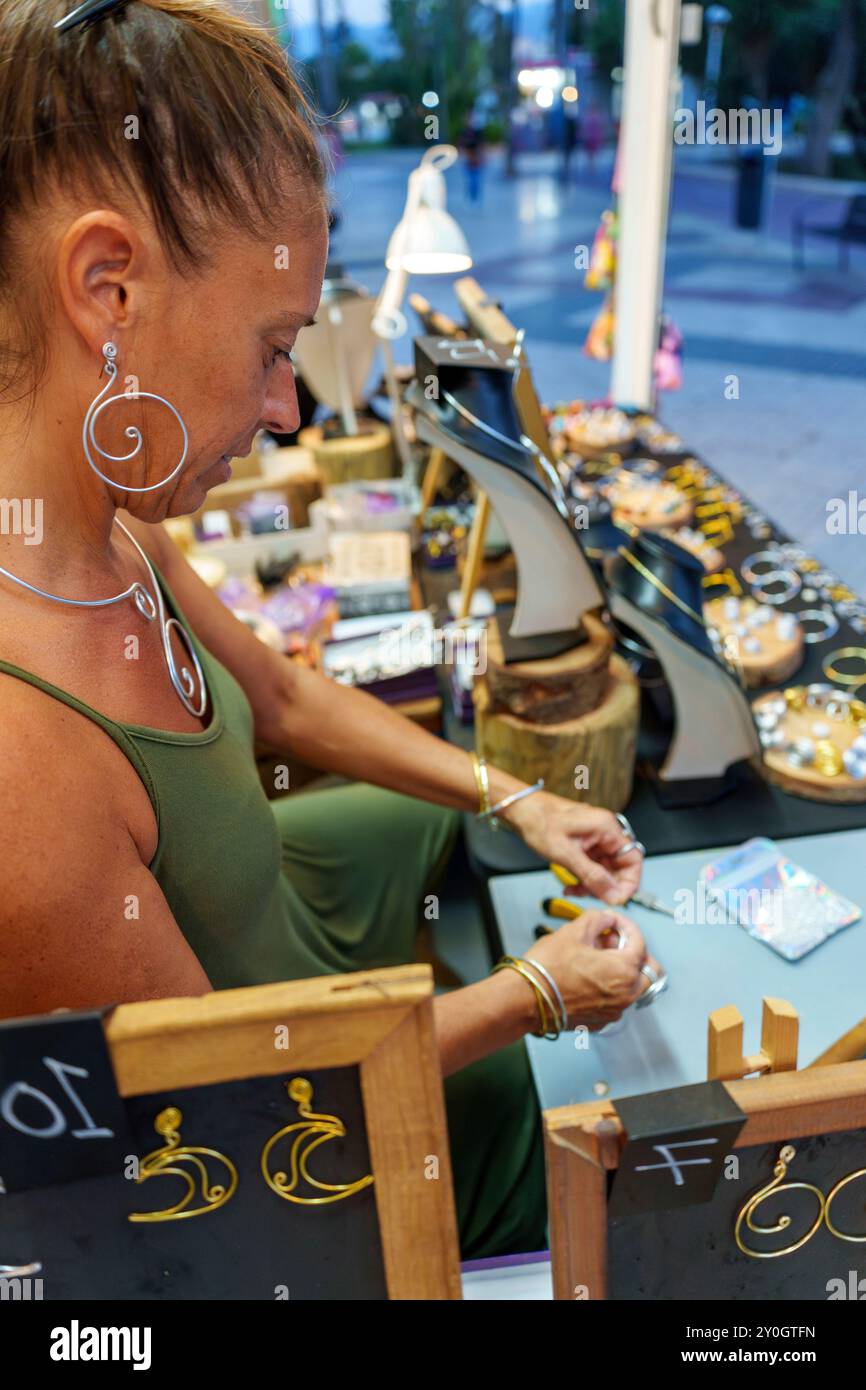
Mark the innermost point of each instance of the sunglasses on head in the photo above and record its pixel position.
(88, 13)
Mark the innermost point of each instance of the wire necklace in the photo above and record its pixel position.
(184, 681)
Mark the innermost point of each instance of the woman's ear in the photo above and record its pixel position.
(101, 261)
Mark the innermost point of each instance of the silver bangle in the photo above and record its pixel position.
(780, 576)
(494, 811)
(770, 558)
(536, 964)
(819, 615)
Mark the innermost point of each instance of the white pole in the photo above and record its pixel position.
(652, 32)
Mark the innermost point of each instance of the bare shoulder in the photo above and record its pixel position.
(51, 758)
(75, 891)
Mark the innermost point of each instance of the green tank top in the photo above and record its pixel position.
(218, 858)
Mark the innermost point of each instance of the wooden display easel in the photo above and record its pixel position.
(378, 1021)
(583, 1145)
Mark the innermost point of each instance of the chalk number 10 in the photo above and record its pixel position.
(57, 1123)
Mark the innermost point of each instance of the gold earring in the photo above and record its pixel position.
(843, 1182)
(161, 1162)
(786, 1155)
(325, 1127)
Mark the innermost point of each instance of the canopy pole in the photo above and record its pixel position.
(652, 31)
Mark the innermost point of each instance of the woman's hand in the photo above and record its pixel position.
(584, 839)
(597, 981)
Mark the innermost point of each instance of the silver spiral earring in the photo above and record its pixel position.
(100, 403)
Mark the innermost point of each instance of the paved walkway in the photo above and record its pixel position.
(796, 340)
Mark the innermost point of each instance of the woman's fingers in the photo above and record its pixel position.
(593, 877)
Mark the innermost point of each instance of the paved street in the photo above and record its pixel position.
(795, 339)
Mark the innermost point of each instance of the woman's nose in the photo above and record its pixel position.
(281, 412)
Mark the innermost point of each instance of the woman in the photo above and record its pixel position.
(160, 171)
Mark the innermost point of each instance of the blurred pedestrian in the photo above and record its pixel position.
(471, 142)
(570, 142)
(593, 134)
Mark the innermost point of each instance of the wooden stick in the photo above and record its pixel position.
(432, 477)
(474, 554)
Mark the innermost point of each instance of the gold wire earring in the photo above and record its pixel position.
(326, 1127)
(161, 1161)
(780, 1171)
(843, 1182)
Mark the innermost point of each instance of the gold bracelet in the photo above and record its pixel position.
(550, 1027)
(482, 783)
(844, 677)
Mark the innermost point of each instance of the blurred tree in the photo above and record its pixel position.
(833, 88)
(773, 50)
(356, 72)
(441, 48)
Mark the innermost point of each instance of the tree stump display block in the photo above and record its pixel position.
(588, 758)
(343, 458)
(560, 688)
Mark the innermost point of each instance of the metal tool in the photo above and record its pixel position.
(641, 899)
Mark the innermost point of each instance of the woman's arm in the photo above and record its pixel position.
(337, 729)
(596, 982)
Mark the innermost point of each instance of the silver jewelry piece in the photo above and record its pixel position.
(98, 404)
(629, 846)
(621, 936)
(536, 965)
(183, 682)
(770, 558)
(826, 616)
(556, 488)
(657, 983)
(493, 812)
(790, 578)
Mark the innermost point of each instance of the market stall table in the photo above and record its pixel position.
(665, 1045)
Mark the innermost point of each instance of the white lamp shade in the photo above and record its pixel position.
(428, 242)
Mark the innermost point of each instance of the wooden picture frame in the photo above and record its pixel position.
(378, 1020)
(583, 1142)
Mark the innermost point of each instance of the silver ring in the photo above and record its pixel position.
(819, 615)
(772, 558)
(622, 936)
(627, 849)
(656, 985)
(794, 583)
(624, 824)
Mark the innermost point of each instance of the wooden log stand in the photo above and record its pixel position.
(552, 691)
(343, 458)
(587, 758)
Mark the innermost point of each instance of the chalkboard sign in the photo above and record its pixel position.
(675, 1148)
(236, 1110)
(60, 1114)
(257, 1246)
(799, 1128)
